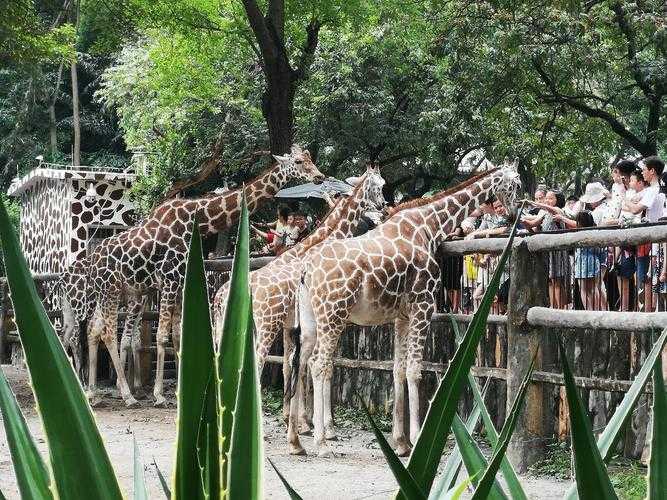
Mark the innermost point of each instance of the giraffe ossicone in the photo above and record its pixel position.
(390, 274)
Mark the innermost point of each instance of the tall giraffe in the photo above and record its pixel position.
(153, 255)
(274, 286)
(388, 274)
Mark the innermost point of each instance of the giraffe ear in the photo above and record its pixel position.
(280, 159)
(353, 181)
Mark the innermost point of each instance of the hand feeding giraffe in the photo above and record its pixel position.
(388, 274)
(275, 285)
(153, 256)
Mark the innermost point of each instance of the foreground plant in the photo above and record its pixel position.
(219, 450)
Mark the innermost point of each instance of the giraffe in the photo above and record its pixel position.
(390, 274)
(152, 256)
(275, 285)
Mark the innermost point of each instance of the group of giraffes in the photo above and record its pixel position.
(326, 281)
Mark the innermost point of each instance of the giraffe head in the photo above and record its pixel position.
(509, 184)
(298, 164)
(373, 196)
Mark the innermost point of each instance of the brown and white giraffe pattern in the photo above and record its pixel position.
(388, 274)
(274, 286)
(152, 255)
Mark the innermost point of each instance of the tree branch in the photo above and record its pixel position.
(260, 29)
(612, 121)
(308, 51)
(276, 13)
(208, 167)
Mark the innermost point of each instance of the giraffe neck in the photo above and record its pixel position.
(442, 216)
(220, 212)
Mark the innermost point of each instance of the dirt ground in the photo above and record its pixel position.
(357, 471)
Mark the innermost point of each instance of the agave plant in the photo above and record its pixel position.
(219, 450)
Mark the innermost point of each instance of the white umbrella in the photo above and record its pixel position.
(311, 190)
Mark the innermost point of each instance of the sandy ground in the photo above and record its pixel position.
(357, 471)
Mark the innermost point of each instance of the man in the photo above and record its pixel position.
(651, 202)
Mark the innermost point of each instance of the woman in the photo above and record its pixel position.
(559, 262)
(588, 264)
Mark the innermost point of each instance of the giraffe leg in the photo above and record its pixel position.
(288, 351)
(94, 333)
(321, 369)
(136, 347)
(110, 339)
(419, 323)
(134, 310)
(176, 328)
(400, 345)
(329, 430)
(297, 408)
(164, 328)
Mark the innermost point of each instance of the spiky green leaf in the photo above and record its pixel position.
(82, 471)
(237, 326)
(290, 491)
(406, 482)
(591, 475)
(246, 452)
(140, 492)
(425, 456)
(486, 483)
(657, 468)
(32, 475)
(450, 471)
(195, 368)
(163, 481)
(473, 458)
(614, 429)
(514, 487)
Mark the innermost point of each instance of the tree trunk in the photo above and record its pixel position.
(76, 118)
(278, 108)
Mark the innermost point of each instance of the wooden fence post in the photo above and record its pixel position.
(528, 287)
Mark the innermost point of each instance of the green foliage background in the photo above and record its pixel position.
(565, 86)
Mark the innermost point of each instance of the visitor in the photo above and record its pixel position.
(651, 202)
(620, 174)
(549, 219)
(538, 197)
(588, 266)
(452, 271)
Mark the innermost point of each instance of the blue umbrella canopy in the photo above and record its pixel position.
(311, 190)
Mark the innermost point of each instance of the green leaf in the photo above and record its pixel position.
(425, 456)
(32, 475)
(472, 457)
(245, 463)
(163, 481)
(406, 482)
(195, 368)
(486, 483)
(82, 471)
(140, 492)
(456, 492)
(450, 471)
(237, 327)
(290, 491)
(657, 468)
(616, 425)
(513, 484)
(591, 475)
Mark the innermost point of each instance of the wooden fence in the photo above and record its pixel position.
(529, 327)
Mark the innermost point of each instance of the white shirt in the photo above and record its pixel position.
(599, 213)
(654, 201)
(616, 203)
(626, 216)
